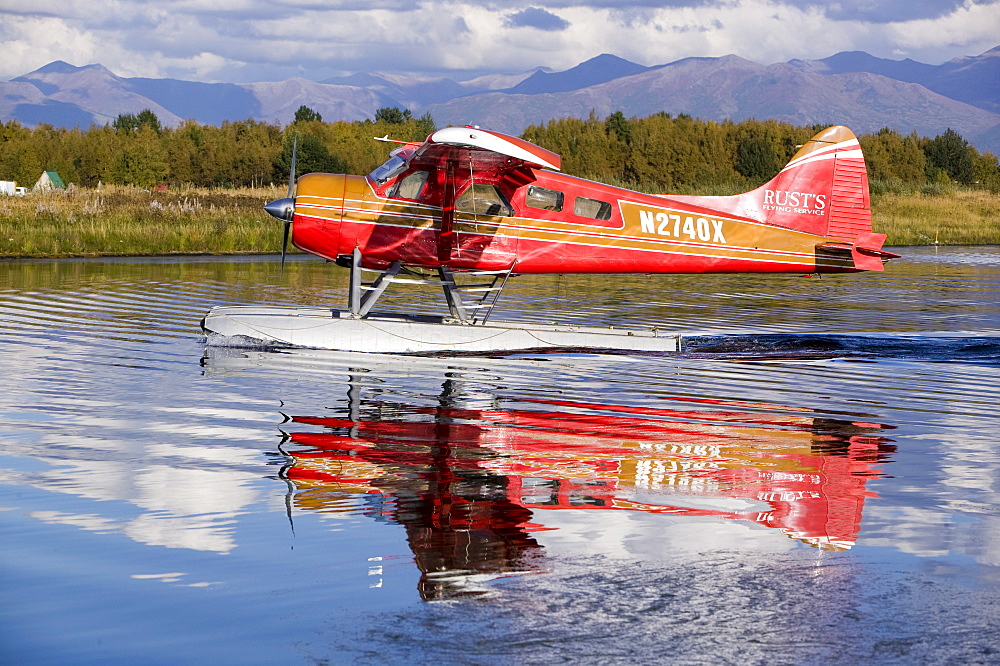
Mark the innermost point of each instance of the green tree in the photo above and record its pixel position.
(97, 149)
(125, 123)
(425, 125)
(392, 115)
(665, 152)
(306, 115)
(988, 172)
(893, 158)
(140, 160)
(616, 124)
(185, 154)
(147, 118)
(19, 159)
(257, 146)
(756, 159)
(312, 156)
(128, 123)
(59, 149)
(951, 154)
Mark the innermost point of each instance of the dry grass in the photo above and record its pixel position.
(126, 221)
(959, 217)
(117, 220)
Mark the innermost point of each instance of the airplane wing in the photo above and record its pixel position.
(492, 142)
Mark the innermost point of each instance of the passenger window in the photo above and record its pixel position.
(482, 199)
(411, 186)
(546, 199)
(598, 210)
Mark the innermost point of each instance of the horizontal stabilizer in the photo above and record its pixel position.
(866, 251)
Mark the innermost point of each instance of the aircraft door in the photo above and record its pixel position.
(481, 237)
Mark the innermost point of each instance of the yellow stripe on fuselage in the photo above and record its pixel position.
(645, 228)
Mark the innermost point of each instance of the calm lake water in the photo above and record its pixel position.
(814, 478)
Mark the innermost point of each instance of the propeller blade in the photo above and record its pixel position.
(288, 212)
(284, 242)
(291, 172)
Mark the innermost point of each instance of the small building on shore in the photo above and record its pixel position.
(49, 180)
(10, 188)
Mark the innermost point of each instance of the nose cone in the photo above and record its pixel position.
(281, 208)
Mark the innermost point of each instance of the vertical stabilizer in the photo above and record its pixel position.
(823, 190)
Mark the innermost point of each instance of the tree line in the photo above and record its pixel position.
(659, 153)
(137, 150)
(663, 153)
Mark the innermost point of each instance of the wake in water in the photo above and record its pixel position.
(763, 347)
(237, 342)
(976, 350)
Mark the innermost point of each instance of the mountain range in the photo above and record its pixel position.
(855, 89)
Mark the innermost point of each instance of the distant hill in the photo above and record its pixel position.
(69, 96)
(973, 80)
(732, 88)
(851, 88)
(593, 72)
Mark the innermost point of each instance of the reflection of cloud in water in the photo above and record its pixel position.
(207, 533)
(184, 508)
(641, 536)
(175, 463)
(949, 507)
(171, 577)
(87, 522)
(194, 532)
(911, 530)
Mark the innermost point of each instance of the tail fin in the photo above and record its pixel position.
(823, 190)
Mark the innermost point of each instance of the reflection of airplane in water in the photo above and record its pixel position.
(466, 483)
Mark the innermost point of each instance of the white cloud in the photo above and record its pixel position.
(30, 42)
(252, 40)
(970, 30)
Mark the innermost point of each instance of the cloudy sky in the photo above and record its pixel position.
(267, 40)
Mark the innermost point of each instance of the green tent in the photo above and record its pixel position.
(49, 180)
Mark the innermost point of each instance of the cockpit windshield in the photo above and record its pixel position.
(390, 168)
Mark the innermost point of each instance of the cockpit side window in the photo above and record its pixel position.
(410, 186)
(483, 199)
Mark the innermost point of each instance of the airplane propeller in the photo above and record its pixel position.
(284, 209)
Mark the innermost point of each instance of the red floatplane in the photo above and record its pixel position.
(469, 203)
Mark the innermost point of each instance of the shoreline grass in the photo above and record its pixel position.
(127, 221)
(957, 217)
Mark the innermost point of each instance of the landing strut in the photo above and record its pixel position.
(469, 303)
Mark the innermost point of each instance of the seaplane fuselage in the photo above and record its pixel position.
(470, 199)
